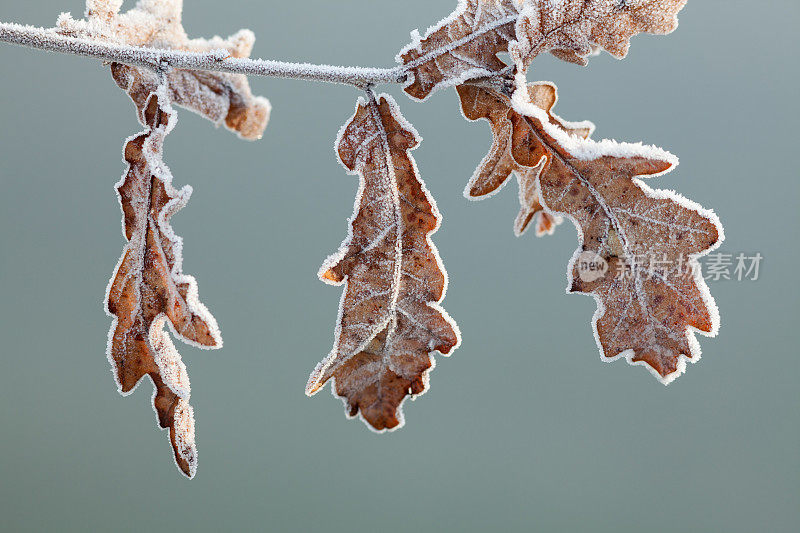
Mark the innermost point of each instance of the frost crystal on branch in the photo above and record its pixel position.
(390, 320)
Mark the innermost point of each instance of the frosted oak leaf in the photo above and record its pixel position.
(220, 97)
(390, 321)
(465, 45)
(648, 311)
(461, 47)
(498, 165)
(149, 291)
(572, 30)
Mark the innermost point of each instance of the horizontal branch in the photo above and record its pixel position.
(217, 60)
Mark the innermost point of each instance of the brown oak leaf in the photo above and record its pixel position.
(461, 47)
(573, 30)
(390, 321)
(149, 290)
(638, 245)
(466, 44)
(493, 172)
(220, 97)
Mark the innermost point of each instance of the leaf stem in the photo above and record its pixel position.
(218, 60)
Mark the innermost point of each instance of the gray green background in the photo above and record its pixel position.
(524, 428)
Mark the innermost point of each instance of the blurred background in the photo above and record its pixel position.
(524, 427)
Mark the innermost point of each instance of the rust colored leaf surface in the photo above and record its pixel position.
(466, 44)
(462, 46)
(495, 169)
(149, 290)
(573, 30)
(638, 245)
(224, 99)
(390, 321)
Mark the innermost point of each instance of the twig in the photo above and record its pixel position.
(217, 61)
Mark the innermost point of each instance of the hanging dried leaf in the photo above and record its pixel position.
(390, 321)
(493, 172)
(220, 97)
(638, 245)
(465, 45)
(149, 289)
(573, 30)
